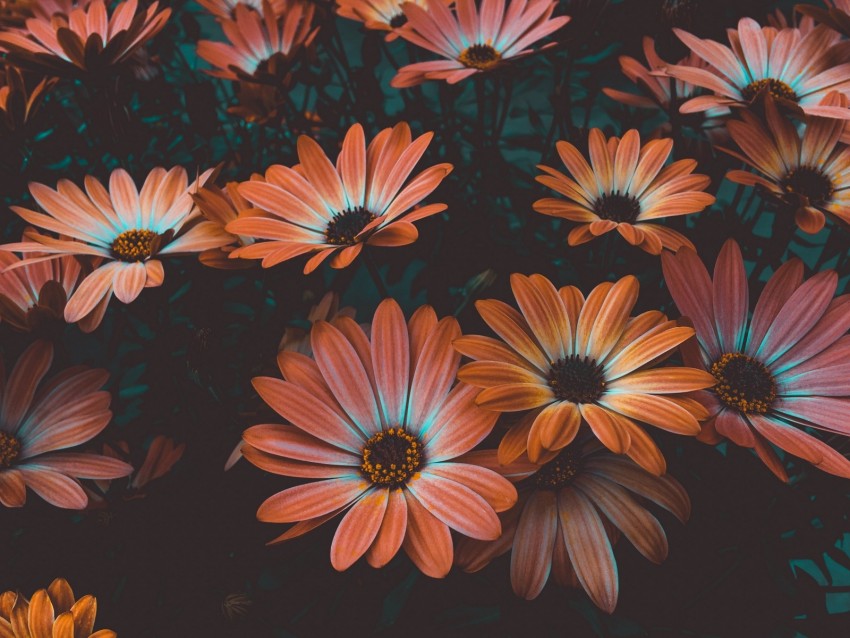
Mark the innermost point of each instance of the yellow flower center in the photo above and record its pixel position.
(744, 383)
(134, 245)
(777, 88)
(391, 457)
(480, 56)
(10, 449)
(345, 226)
(810, 182)
(560, 471)
(577, 379)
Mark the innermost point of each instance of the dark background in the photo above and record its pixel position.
(758, 558)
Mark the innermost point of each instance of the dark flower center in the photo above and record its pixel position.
(560, 471)
(10, 448)
(345, 226)
(777, 88)
(134, 245)
(618, 207)
(810, 182)
(679, 13)
(480, 56)
(391, 457)
(744, 383)
(577, 379)
(398, 20)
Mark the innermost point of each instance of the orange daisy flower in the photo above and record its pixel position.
(127, 229)
(836, 15)
(569, 514)
(222, 206)
(379, 421)
(261, 44)
(316, 207)
(796, 69)
(87, 40)
(39, 422)
(50, 612)
(33, 296)
(780, 371)
(379, 15)
(571, 359)
(472, 41)
(627, 189)
(808, 173)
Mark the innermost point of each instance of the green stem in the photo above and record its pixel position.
(375, 274)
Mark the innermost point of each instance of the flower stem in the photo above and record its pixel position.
(375, 274)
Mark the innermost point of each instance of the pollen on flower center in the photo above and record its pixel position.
(391, 457)
(618, 207)
(10, 448)
(560, 471)
(744, 383)
(577, 379)
(810, 182)
(777, 88)
(480, 56)
(345, 226)
(134, 245)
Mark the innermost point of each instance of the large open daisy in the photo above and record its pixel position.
(571, 359)
(809, 173)
(570, 513)
(795, 68)
(472, 40)
(778, 371)
(40, 422)
(127, 229)
(625, 187)
(379, 421)
(316, 207)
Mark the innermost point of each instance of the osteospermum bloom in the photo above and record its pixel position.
(222, 206)
(39, 422)
(261, 45)
(572, 359)
(569, 514)
(472, 41)
(379, 421)
(796, 69)
(810, 173)
(380, 15)
(54, 611)
(625, 187)
(316, 207)
(127, 229)
(34, 295)
(86, 41)
(777, 371)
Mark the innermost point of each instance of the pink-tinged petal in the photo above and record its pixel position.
(499, 492)
(321, 173)
(351, 165)
(154, 273)
(13, 490)
(732, 424)
(661, 490)
(79, 465)
(492, 350)
(291, 442)
(807, 447)
(129, 281)
(358, 529)
(553, 429)
(613, 317)
(420, 326)
(456, 505)
(427, 540)
(606, 427)
(655, 410)
(828, 413)
(57, 489)
(458, 426)
(641, 528)
(536, 534)
(304, 410)
(691, 287)
(20, 388)
(345, 375)
(544, 311)
(91, 291)
(88, 418)
(125, 197)
(391, 359)
(311, 500)
(487, 374)
(472, 555)
(668, 380)
(589, 549)
(391, 534)
(730, 297)
(513, 329)
(644, 350)
(436, 369)
(302, 527)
